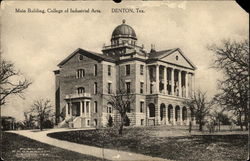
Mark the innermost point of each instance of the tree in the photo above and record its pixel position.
(232, 58)
(42, 111)
(121, 100)
(220, 118)
(29, 121)
(200, 107)
(11, 81)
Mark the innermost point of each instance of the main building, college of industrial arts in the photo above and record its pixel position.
(161, 82)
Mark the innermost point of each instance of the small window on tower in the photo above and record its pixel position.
(176, 57)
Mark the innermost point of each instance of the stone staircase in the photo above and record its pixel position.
(65, 122)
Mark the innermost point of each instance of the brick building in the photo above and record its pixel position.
(160, 81)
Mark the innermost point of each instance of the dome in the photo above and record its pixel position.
(124, 31)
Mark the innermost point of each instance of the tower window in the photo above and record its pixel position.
(141, 87)
(127, 69)
(109, 70)
(141, 69)
(109, 88)
(128, 87)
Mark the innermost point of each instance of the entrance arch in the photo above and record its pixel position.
(170, 113)
(151, 108)
(162, 111)
(177, 113)
(184, 113)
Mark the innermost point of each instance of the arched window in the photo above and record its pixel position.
(162, 111)
(109, 108)
(80, 73)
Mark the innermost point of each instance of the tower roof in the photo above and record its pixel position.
(124, 31)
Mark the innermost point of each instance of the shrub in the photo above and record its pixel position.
(126, 121)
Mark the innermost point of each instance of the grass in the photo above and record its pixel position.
(16, 147)
(162, 142)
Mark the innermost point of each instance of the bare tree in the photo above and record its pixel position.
(232, 58)
(29, 121)
(121, 100)
(11, 82)
(42, 111)
(200, 107)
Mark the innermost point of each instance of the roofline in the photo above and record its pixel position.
(85, 53)
(177, 49)
(188, 60)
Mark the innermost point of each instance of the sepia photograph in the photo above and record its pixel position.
(128, 81)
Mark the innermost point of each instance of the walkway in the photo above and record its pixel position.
(108, 154)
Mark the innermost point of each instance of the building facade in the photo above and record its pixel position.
(160, 80)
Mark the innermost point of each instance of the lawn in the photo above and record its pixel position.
(16, 147)
(166, 142)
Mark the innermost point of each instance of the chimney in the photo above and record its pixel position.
(152, 48)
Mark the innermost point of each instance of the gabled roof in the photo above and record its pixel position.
(164, 53)
(159, 54)
(90, 54)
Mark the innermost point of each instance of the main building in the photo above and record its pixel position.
(161, 82)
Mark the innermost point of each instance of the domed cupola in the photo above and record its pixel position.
(123, 34)
(123, 31)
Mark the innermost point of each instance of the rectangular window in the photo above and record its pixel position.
(151, 88)
(141, 106)
(88, 122)
(95, 106)
(109, 88)
(127, 69)
(128, 87)
(95, 88)
(80, 90)
(109, 70)
(129, 108)
(141, 87)
(141, 69)
(80, 73)
(95, 70)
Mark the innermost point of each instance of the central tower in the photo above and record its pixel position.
(123, 42)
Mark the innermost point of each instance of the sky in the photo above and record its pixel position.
(37, 42)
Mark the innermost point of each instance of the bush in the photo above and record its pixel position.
(48, 124)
